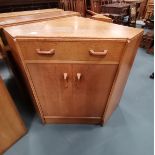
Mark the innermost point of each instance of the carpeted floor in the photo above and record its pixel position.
(128, 132)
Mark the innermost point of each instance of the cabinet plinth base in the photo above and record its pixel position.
(71, 120)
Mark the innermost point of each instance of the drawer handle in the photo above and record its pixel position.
(92, 52)
(50, 52)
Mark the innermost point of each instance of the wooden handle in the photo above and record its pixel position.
(79, 76)
(65, 76)
(50, 52)
(92, 52)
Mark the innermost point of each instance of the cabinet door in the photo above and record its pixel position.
(53, 86)
(91, 88)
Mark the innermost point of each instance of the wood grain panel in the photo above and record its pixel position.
(72, 97)
(103, 79)
(54, 93)
(74, 27)
(121, 77)
(80, 120)
(90, 93)
(11, 125)
(75, 50)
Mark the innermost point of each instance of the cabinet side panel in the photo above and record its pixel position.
(11, 125)
(15, 51)
(122, 76)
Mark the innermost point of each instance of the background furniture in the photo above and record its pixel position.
(149, 23)
(116, 11)
(136, 3)
(149, 15)
(32, 12)
(130, 20)
(74, 5)
(101, 17)
(146, 9)
(149, 9)
(142, 9)
(148, 42)
(116, 8)
(104, 2)
(122, 12)
(9, 19)
(70, 84)
(11, 125)
(95, 6)
(132, 15)
(17, 5)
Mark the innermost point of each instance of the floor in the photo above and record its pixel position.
(128, 132)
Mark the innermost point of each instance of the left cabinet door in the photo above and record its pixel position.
(53, 87)
(11, 125)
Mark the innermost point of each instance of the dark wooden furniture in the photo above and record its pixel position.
(11, 126)
(148, 42)
(116, 11)
(74, 5)
(76, 68)
(18, 5)
(116, 8)
(104, 2)
(142, 9)
(137, 3)
(149, 9)
(131, 21)
(95, 6)
(18, 2)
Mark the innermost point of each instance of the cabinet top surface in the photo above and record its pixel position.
(73, 27)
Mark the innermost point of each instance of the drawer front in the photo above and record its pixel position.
(108, 50)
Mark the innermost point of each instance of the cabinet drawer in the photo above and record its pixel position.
(108, 50)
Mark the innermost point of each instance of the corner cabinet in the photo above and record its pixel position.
(74, 79)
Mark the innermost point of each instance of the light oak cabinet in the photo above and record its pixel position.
(76, 68)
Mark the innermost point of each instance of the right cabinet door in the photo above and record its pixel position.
(91, 88)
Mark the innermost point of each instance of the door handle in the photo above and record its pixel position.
(65, 76)
(78, 80)
(78, 76)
